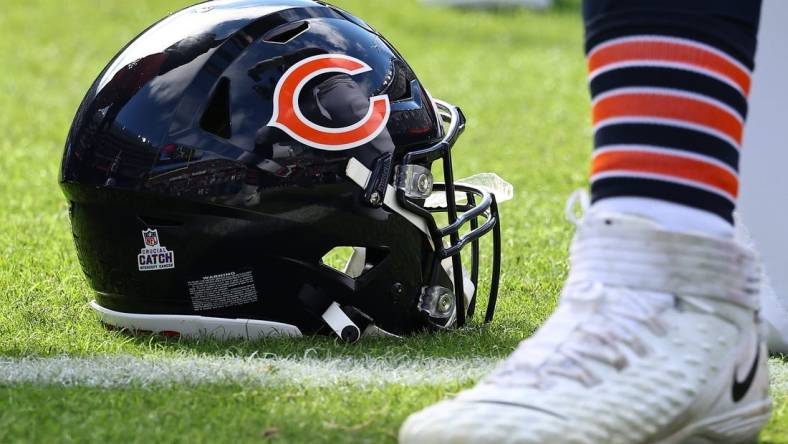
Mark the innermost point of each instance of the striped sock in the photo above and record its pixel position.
(668, 119)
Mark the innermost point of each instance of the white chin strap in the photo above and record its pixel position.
(347, 330)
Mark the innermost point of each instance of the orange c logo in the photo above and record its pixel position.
(288, 117)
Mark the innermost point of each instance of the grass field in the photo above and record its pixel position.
(519, 77)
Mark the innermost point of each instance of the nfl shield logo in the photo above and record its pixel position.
(151, 238)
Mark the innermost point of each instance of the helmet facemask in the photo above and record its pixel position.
(420, 199)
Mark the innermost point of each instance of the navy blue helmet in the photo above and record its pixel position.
(225, 151)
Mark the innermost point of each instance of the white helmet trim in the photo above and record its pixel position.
(196, 326)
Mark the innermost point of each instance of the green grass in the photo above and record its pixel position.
(211, 414)
(519, 77)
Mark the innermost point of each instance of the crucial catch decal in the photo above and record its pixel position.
(154, 256)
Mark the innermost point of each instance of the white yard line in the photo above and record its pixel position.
(125, 371)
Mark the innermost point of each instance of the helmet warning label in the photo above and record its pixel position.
(154, 256)
(222, 290)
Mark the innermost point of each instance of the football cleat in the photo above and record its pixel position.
(656, 339)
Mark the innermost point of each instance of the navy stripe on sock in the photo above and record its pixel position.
(667, 191)
(655, 77)
(739, 43)
(668, 136)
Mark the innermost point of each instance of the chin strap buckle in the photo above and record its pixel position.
(347, 322)
(341, 324)
(351, 324)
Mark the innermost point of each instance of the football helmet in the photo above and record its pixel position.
(226, 150)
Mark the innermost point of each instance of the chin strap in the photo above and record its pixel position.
(350, 324)
(347, 322)
(341, 324)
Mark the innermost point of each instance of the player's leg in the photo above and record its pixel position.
(656, 338)
(669, 92)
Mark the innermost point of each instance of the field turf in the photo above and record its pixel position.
(519, 77)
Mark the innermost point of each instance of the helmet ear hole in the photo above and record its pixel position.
(338, 259)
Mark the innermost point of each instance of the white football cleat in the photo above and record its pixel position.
(656, 340)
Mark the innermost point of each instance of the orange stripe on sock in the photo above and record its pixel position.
(668, 107)
(667, 165)
(630, 50)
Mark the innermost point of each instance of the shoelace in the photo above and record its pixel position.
(617, 323)
(615, 319)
